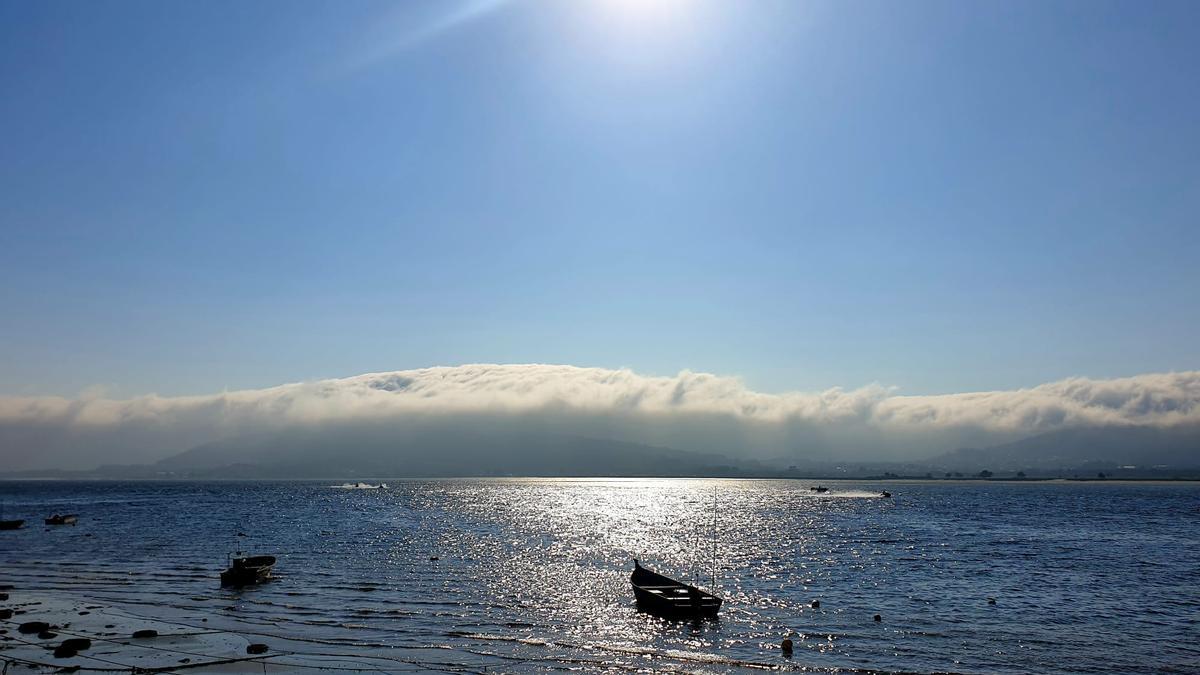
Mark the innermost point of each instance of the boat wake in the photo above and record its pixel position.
(848, 494)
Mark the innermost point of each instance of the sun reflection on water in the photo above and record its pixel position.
(537, 570)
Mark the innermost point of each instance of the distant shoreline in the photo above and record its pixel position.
(844, 479)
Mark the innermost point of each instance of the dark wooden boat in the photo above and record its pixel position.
(62, 519)
(11, 524)
(246, 571)
(666, 597)
(819, 488)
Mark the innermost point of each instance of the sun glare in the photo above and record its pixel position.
(642, 11)
(646, 32)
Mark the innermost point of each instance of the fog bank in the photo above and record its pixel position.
(689, 411)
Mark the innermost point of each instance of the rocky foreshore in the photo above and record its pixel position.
(51, 632)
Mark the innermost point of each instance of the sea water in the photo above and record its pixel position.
(533, 574)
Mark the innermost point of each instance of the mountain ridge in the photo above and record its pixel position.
(416, 452)
(430, 450)
(1127, 445)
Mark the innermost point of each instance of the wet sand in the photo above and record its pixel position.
(181, 642)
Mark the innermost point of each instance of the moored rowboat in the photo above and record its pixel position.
(666, 597)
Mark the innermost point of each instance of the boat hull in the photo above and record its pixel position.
(665, 597)
(246, 576)
(248, 571)
(11, 524)
(68, 519)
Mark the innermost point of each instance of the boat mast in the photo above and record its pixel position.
(713, 533)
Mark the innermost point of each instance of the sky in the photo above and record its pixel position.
(925, 197)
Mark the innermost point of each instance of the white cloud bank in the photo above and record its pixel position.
(690, 411)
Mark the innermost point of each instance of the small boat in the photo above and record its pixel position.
(62, 519)
(668, 598)
(249, 570)
(819, 489)
(885, 493)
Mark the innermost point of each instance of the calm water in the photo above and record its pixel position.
(533, 574)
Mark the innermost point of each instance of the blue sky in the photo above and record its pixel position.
(940, 196)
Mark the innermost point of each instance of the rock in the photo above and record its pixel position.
(78, 644)
(33, 627)
(47, 635)
(256, 648)
(145, 633)
(64, 652)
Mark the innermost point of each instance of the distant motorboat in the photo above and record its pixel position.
(885, 493)
(362, 486)
(62, 519)
(819, 488)
(668, 598)
(248, 570)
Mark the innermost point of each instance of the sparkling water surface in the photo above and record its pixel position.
(532, 574)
